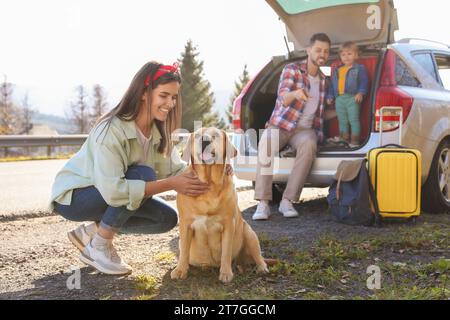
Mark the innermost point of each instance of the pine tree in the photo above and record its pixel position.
(196, 94)
(238, 86)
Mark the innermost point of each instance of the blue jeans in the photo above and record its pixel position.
(154, 215)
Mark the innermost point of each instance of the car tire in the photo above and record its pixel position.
(277, 192)
(436, 199)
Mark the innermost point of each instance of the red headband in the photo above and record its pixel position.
(163, 70)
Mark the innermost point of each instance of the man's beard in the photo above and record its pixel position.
(316, 63)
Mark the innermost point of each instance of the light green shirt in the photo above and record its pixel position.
(103, 160)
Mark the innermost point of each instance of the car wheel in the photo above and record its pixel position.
(436, 190)
(277, 192)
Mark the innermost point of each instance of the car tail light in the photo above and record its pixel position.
(390, 95)
(237, 104)
(236, 114)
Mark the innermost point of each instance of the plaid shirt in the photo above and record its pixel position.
(294, 77)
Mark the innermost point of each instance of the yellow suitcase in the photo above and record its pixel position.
(395, 173)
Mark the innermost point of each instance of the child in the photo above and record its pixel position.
(349, 84)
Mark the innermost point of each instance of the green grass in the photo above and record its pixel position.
(413, 261)
(148, 286)
(165, 257)
(404, 281)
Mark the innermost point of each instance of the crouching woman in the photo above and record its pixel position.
(126, 159)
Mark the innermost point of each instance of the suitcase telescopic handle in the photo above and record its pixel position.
(382, 110)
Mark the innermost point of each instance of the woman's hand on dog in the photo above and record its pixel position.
(188, 184)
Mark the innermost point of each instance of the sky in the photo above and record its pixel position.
(48, 47)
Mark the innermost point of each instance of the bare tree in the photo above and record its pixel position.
(79, 111)
(99, 106)
(6, 116)
(28, 113)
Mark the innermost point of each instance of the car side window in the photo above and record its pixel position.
(404, 76)
(443, 64)
(426, 61)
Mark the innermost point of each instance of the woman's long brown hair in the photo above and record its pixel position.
(128, 107)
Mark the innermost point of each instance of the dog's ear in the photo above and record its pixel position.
(187, 149)
(230, 149)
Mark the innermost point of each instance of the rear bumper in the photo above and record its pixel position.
(321, 174)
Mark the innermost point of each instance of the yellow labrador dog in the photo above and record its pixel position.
(212, 230)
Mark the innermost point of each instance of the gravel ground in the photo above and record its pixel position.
(36, 256)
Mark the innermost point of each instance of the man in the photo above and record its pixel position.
(297, 120)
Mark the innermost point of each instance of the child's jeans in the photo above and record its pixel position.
(154, 215)
(348, 113)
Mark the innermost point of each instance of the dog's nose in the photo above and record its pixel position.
(205, 143)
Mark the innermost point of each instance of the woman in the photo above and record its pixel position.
(126, 159)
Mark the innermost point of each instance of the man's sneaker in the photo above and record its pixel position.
(287, 209)
(81, 236)
(262, 211)
(105, 259)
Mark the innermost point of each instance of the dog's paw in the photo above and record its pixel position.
(262, 268)
(179, 273)
(226, 277)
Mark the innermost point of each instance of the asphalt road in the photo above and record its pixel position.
(25, 186)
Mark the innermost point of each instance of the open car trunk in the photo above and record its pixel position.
(365, 22)
(259, 103)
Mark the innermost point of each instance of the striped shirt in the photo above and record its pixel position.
(295, 77)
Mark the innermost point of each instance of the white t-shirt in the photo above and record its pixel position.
(144, 142)
(310, 109)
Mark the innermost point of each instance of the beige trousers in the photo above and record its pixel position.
(304, 141)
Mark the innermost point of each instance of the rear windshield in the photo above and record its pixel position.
(300, 6)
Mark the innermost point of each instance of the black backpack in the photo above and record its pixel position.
(351, 193)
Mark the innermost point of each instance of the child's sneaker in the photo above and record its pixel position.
(335, 140)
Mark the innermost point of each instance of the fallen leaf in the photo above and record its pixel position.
(300, 291)
(271, 262)
(399, 264)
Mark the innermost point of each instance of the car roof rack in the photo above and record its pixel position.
(409, 40)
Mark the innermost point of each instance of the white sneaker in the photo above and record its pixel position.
(105, 259)
(287, 209)
(81, 236)
(262, 211)
(335, 140)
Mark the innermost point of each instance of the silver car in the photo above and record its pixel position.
(411, 74)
